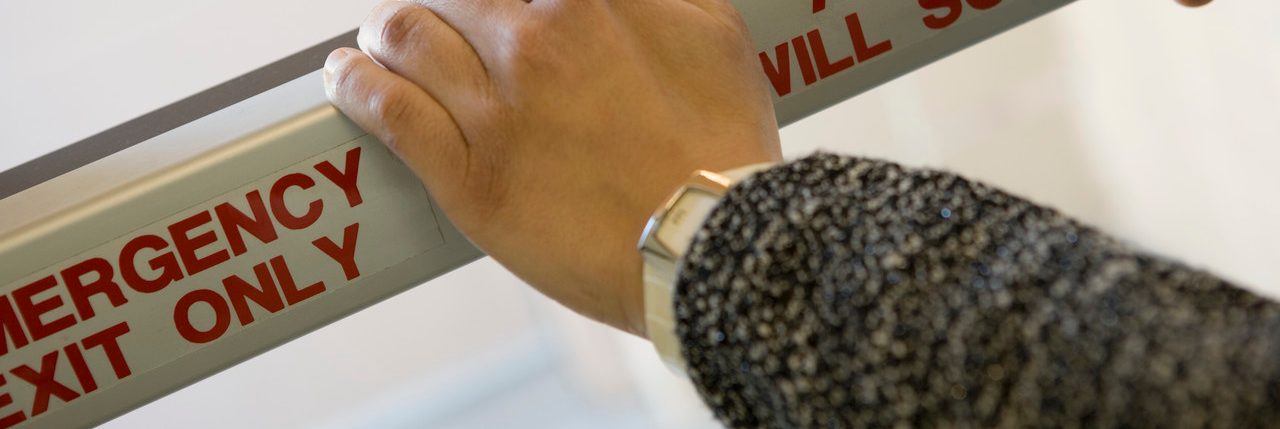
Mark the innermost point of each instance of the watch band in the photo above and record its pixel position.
(664, 243)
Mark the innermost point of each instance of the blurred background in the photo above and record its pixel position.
(1153, 122)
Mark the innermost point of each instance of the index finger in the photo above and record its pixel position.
(400, 114)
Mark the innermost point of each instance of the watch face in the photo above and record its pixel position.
(684, 219)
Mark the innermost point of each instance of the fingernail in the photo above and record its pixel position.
(331, 64)
(335, 57)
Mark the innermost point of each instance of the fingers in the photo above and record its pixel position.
(415, 43)
(397, 112)
(482, 23)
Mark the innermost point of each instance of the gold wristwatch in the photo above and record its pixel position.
(665, 241)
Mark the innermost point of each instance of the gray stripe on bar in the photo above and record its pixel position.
(164, 119)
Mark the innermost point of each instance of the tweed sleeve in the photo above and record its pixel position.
(844, 292)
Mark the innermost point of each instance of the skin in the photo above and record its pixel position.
(550, 130)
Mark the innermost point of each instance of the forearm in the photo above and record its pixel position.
(855, 291)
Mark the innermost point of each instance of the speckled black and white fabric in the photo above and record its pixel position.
(841, 292)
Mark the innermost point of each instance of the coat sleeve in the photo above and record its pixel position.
(844, 292)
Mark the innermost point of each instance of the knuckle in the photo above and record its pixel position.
(399, 27)
(529, 38)
(392, 108)
(529, 52)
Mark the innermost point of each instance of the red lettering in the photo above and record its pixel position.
(779, 73)
(109, 340)
(819, 5)
(45, 384)
(11, 419)
(278, 207)
(240, 292)
(938, 22)
(166, 264)
(954, 9)
(78, 365)
(812, 56)
(187, 245)
(984, 4)
(292, 294)
(863, 52)
(344, 255)
(233, 221)
(32, 311)
(806, 64)
(182, 316)
(825, 67)
(345, 180)
(104, 284)
(10, 330)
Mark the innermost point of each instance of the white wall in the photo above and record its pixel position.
(1155, 123)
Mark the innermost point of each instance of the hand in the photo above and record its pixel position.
(549, 131)
(1194, 3)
